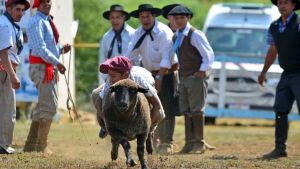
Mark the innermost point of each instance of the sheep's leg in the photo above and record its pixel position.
(141, 139)
(149, 143)
(126, 146)
(115, 149)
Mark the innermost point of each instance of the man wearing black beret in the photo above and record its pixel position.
(195, 57)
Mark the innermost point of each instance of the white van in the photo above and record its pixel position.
(237, 33)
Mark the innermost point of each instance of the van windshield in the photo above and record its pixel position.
(238, 41)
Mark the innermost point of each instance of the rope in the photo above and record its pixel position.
(70, 99)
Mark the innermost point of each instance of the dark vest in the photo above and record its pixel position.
(287, 43)
(189, 57)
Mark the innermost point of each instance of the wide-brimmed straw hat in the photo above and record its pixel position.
(117, 8)
(297, 6)
(146, 7)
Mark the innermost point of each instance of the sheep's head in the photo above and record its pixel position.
(125, 93)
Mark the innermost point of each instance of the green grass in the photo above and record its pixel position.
(237, 147)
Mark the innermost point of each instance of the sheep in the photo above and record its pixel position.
(127, 117)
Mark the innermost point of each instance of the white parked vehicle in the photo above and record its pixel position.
(237, 33)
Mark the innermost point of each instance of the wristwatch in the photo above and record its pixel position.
(158, 77)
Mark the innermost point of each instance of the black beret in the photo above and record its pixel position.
(181, 10)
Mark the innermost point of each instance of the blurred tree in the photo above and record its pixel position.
(89, 14)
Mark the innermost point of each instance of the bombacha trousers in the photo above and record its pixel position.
(7, 110)
(47, 93)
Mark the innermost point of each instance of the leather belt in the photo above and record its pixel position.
(169, 71)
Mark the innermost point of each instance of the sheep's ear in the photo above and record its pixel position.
(143, 90)
(112, 89)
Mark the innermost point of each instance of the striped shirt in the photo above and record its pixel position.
(41, 39)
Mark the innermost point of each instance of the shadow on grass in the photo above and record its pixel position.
(224, 157)
(111, 165)
(238, 124)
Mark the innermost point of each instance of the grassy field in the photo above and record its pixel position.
(239, 143)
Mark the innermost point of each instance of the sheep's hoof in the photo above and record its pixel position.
(149, 145)
(149, 148)
(131, 163)
(114, 155)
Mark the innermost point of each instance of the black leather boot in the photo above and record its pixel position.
(189, 135)
(281, 135)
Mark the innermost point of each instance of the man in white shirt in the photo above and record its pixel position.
(114, 43)
(116, 40)
(152, 41)
(119, 68)
(10, 48)
(195, 57)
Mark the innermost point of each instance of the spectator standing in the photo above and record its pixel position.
(195, 57)
(11, 45)
(284, 41)
(114, 43)
(43, 41)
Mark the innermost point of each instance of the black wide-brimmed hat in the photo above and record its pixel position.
(166, 9)
(297, 6)
(181, 10)
(117, 8)
(145, 7)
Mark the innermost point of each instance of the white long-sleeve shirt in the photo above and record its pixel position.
(8, 39)
(154, 54)
(105, 43)
(139, 75)
(199, 41)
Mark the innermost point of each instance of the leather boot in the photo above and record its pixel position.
(198, 124)
(43, 136)
(159, 136)
(31, 142)
(281, 135)
(166, 146)
(189, 135)
(155, 139)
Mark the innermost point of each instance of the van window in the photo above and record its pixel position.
(238, 41)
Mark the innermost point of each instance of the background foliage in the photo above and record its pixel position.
(92, 26)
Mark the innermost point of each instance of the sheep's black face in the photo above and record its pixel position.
(123, 97)
(124, 94)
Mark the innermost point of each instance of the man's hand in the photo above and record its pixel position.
(66, 48)
(200, 74)
(61, 68)
(15, 82)
(261, 79)
(158, 85)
